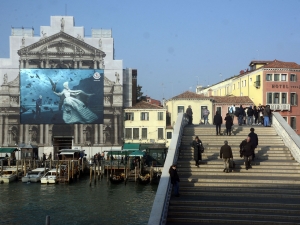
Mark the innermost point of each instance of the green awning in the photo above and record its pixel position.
(131, 147)
(8, 150)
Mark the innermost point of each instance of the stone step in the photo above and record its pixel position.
(192, 221)
(237, 153)
(267, 163)
(243, 203)
(231, 178)
(242, 190)
(199, 216)
(239, 184)
(216, 148)
(215, 167)
(241, 173)
(260, 157)
(238, 169)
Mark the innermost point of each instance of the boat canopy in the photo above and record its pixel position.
(131, 146)
(8, 150)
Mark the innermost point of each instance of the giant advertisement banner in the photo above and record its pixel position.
(61, 96)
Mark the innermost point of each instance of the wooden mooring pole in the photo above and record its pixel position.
(47, 220)
(91, 171)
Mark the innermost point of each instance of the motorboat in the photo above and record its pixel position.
(34, 175)
(50, 177)
(8, 174)
(117, 178)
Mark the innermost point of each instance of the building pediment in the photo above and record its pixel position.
(61, 44)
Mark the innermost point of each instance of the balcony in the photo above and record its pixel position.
(257, 84)
(280, 107)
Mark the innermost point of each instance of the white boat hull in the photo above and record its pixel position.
(8, 178)
(48, 180)
(31, 179)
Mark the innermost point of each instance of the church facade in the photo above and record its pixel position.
(61, 46)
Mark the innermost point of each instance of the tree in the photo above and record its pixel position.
(139, 92)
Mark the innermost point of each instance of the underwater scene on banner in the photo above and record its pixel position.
(61, 96)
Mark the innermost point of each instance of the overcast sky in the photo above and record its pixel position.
(174, 44)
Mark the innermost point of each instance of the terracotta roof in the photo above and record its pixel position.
(144, 105)
(190, 95)
(233, 99)
(281, 64)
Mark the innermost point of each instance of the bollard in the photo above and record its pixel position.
(47, 220)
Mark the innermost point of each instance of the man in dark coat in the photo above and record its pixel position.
(247, 152)
(218, 120)
(254, 139)
(228, 124)
(174, 179)
(197, 145)
(189, 113)
(226, 154)
(241, 115)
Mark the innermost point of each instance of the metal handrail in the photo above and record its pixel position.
(159, 212)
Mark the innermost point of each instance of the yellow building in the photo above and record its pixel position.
(145, 123)
(247, 83)
(197, 102)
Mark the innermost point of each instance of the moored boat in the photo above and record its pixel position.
(144, 179)
(116, 179)
(34, 175)
(50, 177)
(9, 174)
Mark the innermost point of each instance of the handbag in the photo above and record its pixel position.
(231, 164)
(201, 148)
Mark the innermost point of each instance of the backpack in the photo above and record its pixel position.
(237, 112)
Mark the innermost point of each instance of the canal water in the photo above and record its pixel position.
(77, 203)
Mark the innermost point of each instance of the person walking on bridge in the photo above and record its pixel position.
(174, 179)
(247, 152)
(254, 139)
(226, 154)
(198, 148)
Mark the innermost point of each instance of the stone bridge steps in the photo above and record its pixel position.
(269, 193)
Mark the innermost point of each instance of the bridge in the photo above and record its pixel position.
(269, 193)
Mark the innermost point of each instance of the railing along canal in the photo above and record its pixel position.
(160, 205)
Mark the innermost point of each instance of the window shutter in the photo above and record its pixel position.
(296, 99)
(132, 116)
(295, 77)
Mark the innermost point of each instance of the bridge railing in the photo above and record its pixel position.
(290, 138)
(160, 205)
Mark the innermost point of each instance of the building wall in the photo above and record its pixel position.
(283, 87)
(152, 125)
(196, 104)
(95, 137)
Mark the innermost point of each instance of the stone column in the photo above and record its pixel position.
(21, 64)
(75, 64)
(5, 130)
(96, 133)
(1, 129)
(81, 134)
(116, 128)
(95, 64)
(21, 132)
(47, 134)
(41, 133)
(75, 133)
(9, 137)
(101, 133)
(47, 63)
(80, 64)
(26, 63)
(41, 64)
(26, 131)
